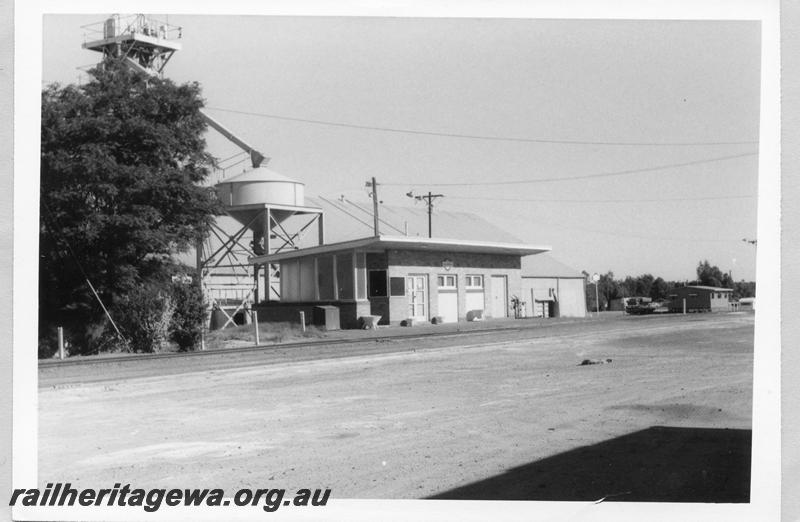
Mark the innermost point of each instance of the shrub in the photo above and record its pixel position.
(186, 327)
(144, 316)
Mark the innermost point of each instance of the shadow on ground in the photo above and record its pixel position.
(658, 464)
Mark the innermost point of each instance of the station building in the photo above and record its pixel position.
(469, 270)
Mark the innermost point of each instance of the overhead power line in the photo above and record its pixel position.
(551, 200)
(484, 137)
(579, 177)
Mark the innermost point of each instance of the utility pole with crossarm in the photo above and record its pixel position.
(428, 199)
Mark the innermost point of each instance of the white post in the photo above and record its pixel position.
(684, 306)
(597, 298)
(303, 320)
(61, 343)
(255, 325)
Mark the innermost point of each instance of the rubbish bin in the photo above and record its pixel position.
(327, 317)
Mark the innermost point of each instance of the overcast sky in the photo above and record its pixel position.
(636, 95)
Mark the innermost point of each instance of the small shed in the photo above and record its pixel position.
(552, 289)
(699, 298)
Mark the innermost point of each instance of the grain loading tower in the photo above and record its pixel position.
(260, 200)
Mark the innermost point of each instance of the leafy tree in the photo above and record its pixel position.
(644, 284)
(744, 289)
(607, 288)
(122, 159)
(709, 275)
(659, 290)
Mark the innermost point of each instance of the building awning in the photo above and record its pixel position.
(382, 242)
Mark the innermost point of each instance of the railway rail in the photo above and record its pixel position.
(321, 343)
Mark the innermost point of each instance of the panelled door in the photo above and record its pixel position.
(499, 296)
(417, 295)
(447, 289)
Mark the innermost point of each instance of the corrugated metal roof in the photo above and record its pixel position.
(544, 265)
(712, 288)
(347, 220)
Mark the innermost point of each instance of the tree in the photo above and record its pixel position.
(644, 285)
(744, 289)
(607, 289)
(659, 290)
(709, 275)
(122, 160)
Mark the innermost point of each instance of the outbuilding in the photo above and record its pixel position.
(697, 298)
(551, 288)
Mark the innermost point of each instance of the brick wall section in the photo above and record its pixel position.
(405, 262)
(401, 263)
(377, 260)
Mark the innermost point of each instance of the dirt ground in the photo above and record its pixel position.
(495, 416)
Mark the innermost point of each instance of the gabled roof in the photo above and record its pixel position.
(711, 288)
(346, 220)
(544, 265)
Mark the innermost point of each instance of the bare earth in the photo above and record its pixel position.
(483, 416)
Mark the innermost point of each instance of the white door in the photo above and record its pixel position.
(417, 295)
(448, 298)
(499, 296)
(474, 294)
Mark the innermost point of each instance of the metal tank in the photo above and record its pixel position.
(246, 195)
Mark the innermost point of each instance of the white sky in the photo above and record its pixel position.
(573, 80)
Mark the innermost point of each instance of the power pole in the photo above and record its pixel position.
(429, 199)
(374, 188)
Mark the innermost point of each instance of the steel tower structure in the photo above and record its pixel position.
(256, 199)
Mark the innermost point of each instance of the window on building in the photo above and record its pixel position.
(361, 275)
(446, 282)
(474, 282)
(377, 283)
(325, 277)
(344, 275)
(307, 292)
(290, 280)
(397, 286)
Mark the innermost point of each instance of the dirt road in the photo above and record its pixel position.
(484, 421)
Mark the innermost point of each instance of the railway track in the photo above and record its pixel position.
(323, 343)
(49, 363)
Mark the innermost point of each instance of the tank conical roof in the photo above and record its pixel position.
(259, 174)
(259, 186)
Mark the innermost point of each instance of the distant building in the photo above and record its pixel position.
(551, 288)
(701, 299)
(747, 303)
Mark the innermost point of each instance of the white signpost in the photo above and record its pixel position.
(596, 279)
